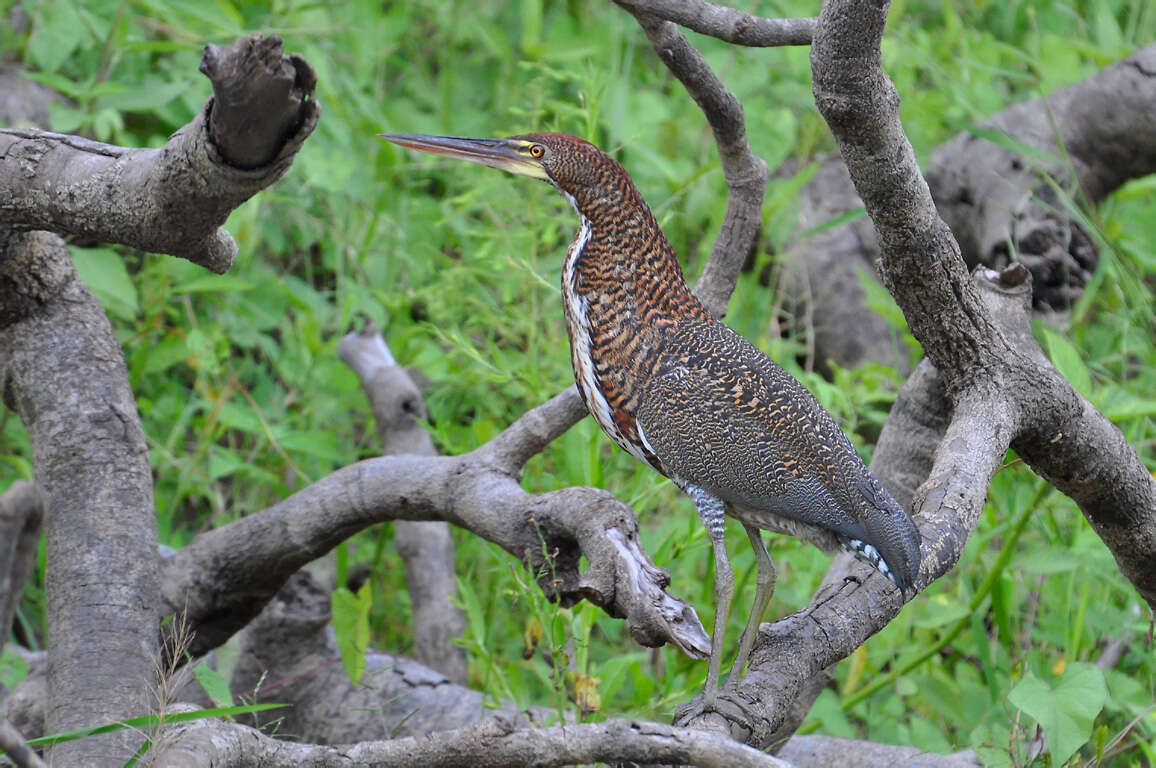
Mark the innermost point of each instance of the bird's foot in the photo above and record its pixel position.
(727, 703)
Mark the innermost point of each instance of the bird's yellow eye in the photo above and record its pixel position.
(536, 151)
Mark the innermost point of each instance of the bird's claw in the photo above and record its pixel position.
(727, 703)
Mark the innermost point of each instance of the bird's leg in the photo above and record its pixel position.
(765, 588)
(713, 513)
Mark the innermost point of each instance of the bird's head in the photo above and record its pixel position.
(574, 166)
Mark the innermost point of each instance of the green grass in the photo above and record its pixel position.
(243, 399)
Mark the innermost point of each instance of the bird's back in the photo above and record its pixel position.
(723, 416)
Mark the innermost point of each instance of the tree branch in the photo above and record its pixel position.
(13, 745)
(224, 585)
(91, 461)
(427, 548)
(21, 513)
(493, 743)
(746, 173)
(173, 199)
(729, 24)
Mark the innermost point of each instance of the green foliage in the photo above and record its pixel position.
(1066, 710)
(244, 401)
(351, 625)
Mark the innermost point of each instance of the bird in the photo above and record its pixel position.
(687, 395)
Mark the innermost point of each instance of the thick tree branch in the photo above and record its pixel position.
(173, 199)
(745, 173)
(224, 585)
(62, 371)
(725, 23)
(426, 547)
(979, 330)
(997, 201)
(494, 743)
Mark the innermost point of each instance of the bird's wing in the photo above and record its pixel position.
(721, 415)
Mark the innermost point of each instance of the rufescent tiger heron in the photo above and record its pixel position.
(686, 394)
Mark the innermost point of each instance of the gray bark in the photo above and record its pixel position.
(91, 460)
(494, 743)
(173, 199)
(222, 585)
(426, 548)
(64, 374)
(1000, 205)
(21, 513)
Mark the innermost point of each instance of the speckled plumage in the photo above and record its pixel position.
(689, 396)
(715, 412)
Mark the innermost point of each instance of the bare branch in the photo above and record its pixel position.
(494, 743)
(17, 750)
(725, 23)
(169, 200)
(21, 513)
(746, 173)
(823, 751)
(427, 548)
(92, 463)
(224, 585)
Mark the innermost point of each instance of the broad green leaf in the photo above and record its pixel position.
(55, 35)
(1065, 710)
(104, 272)
(214, 684)
(351, 624)
(1069, 362)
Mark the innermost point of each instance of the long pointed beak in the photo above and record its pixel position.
(505, 154)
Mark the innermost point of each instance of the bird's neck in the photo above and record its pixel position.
(621, 260)
(621, 286)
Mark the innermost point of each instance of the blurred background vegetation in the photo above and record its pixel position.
(244, 400)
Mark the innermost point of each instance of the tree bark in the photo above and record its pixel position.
(426, 547)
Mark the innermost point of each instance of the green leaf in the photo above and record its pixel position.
(13, 669)
(55, 35)
(351, 624)
(214, 684)
(150, 720)
(213, 284)
(104, 272)
(1066, 711)
(1069, 362)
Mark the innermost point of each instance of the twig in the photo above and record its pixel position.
(16, 748)
(729, 24)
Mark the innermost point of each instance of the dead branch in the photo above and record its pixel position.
(13, 745)
(92, 463)
(289, 655)
(823, 751)
(57, 349)
(426, 548)
(1001, 205)
(745, 173)
(173, 199)
(729, 24)
(493, 743)
(224, 585)
(21, 512)
(1000, 202)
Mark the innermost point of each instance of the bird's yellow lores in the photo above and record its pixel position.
(689, 396)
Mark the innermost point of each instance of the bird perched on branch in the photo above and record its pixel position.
(686, 394)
